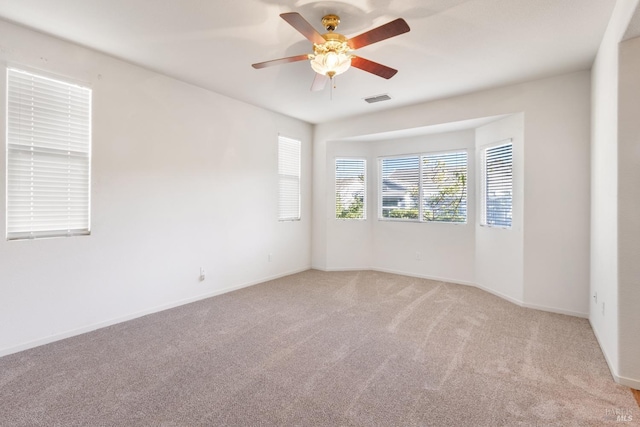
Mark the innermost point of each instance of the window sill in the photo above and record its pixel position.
(415, 221)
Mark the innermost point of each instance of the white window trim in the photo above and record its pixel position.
(380, 180)
(365, 198)
(298, 176)
(421, 194)
(483, 181)
(50, 233)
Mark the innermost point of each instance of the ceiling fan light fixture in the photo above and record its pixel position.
(331, 63)
(331, 57)
(332, 51)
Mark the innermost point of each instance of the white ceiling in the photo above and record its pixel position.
(454, 46)
(633, 30)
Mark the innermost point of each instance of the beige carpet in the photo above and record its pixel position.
(323, 349)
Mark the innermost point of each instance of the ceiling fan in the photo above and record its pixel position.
(332, 51)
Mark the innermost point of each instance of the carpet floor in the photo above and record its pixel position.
(323, 349)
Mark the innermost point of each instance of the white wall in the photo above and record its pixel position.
(182, 178)
(555, 248)
(604, 310)
(491, 258)
(352, 251)
(629, 212)
(434, 250)
(499, 255)
(557, 198)
(446, 251)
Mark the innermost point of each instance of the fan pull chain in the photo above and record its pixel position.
(331, 89)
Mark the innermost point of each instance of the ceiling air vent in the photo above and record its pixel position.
(377, 98)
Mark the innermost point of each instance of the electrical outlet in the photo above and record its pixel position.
(269, 257)
(202, 274)
(418, 256)
(603, 308)
(595, 297)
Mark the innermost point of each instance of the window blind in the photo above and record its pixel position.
(400, 190)
(289, 151)
(351, 188)
(498, 186)
(444, 187)
(48, 157)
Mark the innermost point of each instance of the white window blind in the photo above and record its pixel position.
(289, 179)
(351, 188)
(444, 187)
(497, 191)
(400, 187)
(48, 157)
(427, 187)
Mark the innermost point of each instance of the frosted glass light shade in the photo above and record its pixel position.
(331, 63)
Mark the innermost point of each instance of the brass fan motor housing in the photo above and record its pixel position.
(334, 37)
(330, 22)
(334, 42)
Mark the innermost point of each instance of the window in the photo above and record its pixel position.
(351, 189)
(289, 179)
(497, 185)
(48, 157)
(444, 187)
(400, 187)
(428, 187)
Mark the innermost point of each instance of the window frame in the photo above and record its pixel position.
(420, 172)
(81, 152)
(284, 177)
(483, 183)
(364, 190)
(456, 152)
(381, 184)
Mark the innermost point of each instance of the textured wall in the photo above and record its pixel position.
(604, 288)
(555, 243)
(182, 178)
(628, 208)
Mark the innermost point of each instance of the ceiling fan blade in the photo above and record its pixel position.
(373, 67)
(280, 61)
(299, 23)
(319, 82)
(383, 32)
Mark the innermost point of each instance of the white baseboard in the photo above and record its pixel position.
(110, 322)
(465, 283)
(629, 382)
(342, 269)
(424, 276)
(612, 368)
(56, 337)
(557, 310)
(500, 295)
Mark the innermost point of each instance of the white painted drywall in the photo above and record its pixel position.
(603, 311)
(556, 199)
(441, 251)
(349, 244)
(629, 212)
(499, 257)
(182, 178)
(433, 250)
(556, 122)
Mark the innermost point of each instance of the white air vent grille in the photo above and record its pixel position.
(377, 98)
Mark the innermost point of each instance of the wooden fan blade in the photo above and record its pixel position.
(373, 67)
(280, 61)
(319, 82)
(383, 32)
(299, 23)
